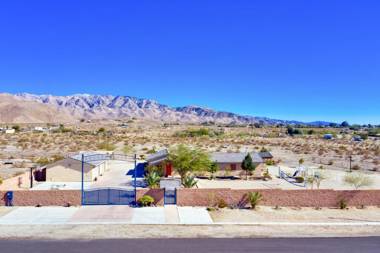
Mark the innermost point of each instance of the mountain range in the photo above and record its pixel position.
(31, 108)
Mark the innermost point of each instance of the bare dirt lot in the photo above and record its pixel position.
(312, 215)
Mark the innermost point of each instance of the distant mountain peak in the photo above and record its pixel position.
(88, 106)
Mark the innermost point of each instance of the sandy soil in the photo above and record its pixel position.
(88, 232)
(333, 180)
(269, 214)
(4, 210)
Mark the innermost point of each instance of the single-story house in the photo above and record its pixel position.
(266, 155)
(233, 161)
(69, 169)
(225, 161)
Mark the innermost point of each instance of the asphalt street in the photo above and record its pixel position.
(284, 245)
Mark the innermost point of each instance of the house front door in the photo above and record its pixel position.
(168, 169)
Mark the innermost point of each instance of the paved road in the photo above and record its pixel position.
(284, 245)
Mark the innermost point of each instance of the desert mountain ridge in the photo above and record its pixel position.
(31, 108)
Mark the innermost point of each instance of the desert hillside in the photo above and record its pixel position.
(31, 108)
(14, 110)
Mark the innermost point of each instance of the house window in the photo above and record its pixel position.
(233, 166)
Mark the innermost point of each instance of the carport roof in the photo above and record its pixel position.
(158, 157)
(94, 163)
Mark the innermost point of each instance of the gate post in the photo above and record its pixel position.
(82, 184)
(135, 182)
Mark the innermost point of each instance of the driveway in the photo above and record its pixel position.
(105, 215)
(118, 175)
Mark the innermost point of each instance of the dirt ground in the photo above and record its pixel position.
(269, 214)
(334, 179)
(88, 232)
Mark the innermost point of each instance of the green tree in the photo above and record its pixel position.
(248, 165)
(214, 167)
(301, 161)
(16, 128)
(186, 160)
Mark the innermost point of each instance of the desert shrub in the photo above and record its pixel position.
(254, 198)
(42, 161)
(198, 133)
(145, 200)
(57, 158)
(189, 182)
(106, 146)
(101, 130)
(267, 175)
(127, 149)
(355, 167)
(342, 204)
(270, 162)
(151, 151)
(159, 169)
(153, 179)
(358, 180)
(222, 203)
(299, 180)
(1, 181)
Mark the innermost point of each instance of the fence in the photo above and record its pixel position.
(211, 197)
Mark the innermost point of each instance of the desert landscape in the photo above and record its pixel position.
(31, 145)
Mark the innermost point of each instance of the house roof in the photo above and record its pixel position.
(157, 157)
(266, 155)
(94, 163)
(221, 157)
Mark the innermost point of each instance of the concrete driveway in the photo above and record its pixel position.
(116, 176)
(105, 215)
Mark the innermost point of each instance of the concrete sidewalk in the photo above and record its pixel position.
(105, 215)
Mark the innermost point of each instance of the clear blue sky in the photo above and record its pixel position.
(305, 60)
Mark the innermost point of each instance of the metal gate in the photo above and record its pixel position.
(170, 197)
(109, 196)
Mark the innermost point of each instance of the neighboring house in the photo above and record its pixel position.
(233, 161)
(10, 131)
(160, 159)
(266, 156)
(69, 169)
(41, 129)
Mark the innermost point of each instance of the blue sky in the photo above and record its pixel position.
(305, 60)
